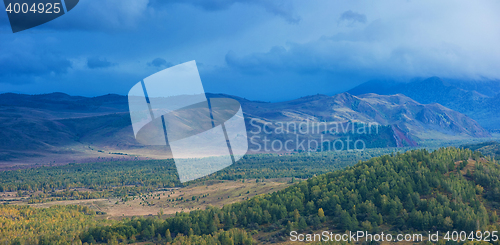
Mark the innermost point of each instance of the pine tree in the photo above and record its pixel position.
(168, 236)
(302, 223)
(345, 220)
(289, 227)
(296, 215)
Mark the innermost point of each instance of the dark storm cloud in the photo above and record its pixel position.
(18, 63)
(126, 15)
(335, 45)
(281, 8)
(352, 17)
(96, 62)
(160, 63)
(380, 49)
(103, 15)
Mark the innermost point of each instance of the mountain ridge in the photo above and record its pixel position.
(75, 127)
(477, 100)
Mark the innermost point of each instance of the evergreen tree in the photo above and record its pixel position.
(168, 236)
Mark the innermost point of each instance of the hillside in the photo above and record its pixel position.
(408, 121)
(490, 148)
(478, 100)
(58, 128)
(417, 191)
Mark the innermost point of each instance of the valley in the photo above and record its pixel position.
(414, 191)
(72, 171)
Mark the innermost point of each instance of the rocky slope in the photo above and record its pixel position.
(478, 100)
(71, 127)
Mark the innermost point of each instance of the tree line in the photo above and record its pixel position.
(416, 190)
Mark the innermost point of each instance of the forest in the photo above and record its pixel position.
(490, 148)
(130, 178)
(444, 190)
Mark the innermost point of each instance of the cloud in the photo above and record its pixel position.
(352, 17)
(159, 62)
(381, 49)
(96, 63)
(27, 64)
(103, 15)
(277, 59)
(127, 15)
(335, 44)
(281, 8)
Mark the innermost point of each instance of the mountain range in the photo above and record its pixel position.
(59, 128)
(409, 120)
(478, 100)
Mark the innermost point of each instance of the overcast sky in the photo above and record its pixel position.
(264, 50)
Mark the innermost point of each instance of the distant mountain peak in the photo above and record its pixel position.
(314, 97)
(43, 124)
(344, 96)
(478, 100)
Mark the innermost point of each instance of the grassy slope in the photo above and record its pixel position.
(415, 190)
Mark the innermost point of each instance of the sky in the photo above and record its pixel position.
(261, 50)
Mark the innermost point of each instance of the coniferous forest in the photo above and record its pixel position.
(128, 178)
(450, 189)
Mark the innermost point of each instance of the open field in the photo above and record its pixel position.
(215, 193)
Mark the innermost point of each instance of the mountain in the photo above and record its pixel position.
(478, 100)
(383, 87)
(409, 121)
(58, 128)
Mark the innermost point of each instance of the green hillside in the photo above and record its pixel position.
(417, 191)
(449, 189)
(491, 148)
